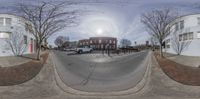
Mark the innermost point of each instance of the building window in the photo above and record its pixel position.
(114, 42)
(191, 35)
(198, 20)
(1, 21)
(176, 26)
(90, 41)
(167, 46)
(4, 35)
(181, 24)
(99, 41)
(185, 37)
(106, 41)
(181, 37)
(8, 21)
(198, 35)
(101, 46)
(25, 39)
(110, 41)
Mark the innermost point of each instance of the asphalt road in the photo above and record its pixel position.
(98, 73)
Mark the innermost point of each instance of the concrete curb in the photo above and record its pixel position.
(133, 90)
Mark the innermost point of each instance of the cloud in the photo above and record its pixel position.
(125, 15)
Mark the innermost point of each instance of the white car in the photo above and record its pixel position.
(84, 50)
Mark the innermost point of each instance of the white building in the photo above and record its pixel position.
(15, 30)
(187, 29)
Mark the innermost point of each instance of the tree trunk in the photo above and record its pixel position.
(161, 52)
(38, 52)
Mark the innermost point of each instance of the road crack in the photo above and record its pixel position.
(86, 80)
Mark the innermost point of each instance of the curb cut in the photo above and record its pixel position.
(141, 84)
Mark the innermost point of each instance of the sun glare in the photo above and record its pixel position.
(99, 31)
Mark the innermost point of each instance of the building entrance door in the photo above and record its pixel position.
(31, 46)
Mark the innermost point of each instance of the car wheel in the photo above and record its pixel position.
(80, 51)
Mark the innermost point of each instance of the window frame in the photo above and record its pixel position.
(182, 24)
(8, 23)
(190, 36)
(4, 34)
(198, 20)
(198, 35)
(25, 37)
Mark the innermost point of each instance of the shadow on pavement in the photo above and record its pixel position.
(181, 73)
(21, 73)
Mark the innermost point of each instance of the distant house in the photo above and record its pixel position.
(99, 43)
(17, 29)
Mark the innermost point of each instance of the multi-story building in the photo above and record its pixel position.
(184, 36)
(99, 43)
(15, 34)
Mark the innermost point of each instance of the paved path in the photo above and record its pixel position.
(192, 61)
(162, 87)
(99, 73)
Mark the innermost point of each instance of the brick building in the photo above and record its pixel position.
(99, 43)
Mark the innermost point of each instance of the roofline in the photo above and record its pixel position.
(83, 39)
(14, 15)
(186, 15)
(104, 37)
(189, 15)
(11, 15)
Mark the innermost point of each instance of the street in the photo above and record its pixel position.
(100, 73)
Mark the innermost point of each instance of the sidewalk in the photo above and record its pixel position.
(21, 73)
(191, 61)
(9, 61)
(163, 87)
(179, 72)
(42, 86)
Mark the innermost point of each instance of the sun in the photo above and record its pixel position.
(99, 31)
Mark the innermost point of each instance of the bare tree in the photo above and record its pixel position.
(158, 24)
(47, 18)
(17, 43)
(60, 40)
(178, 45)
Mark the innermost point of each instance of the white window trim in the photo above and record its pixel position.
(198, 35)
(4, 35)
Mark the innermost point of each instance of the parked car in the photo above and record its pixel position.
(83, 50)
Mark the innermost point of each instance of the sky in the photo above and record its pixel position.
(113, 18)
